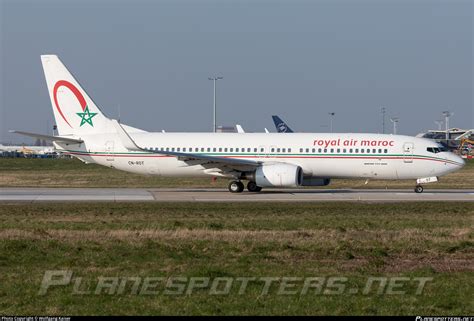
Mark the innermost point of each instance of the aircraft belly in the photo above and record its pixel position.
(352, 168)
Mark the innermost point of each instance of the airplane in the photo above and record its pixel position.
(281, 126)
(36, 150)
(262, 159)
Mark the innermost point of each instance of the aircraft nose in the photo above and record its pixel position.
(458, 159)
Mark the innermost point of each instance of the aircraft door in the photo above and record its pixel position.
(109, 150)
(271, 150)
(408, 152)
(262, 151)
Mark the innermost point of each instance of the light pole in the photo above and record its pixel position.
(446, 115)
(394, 120)
(383, 119)
(331, 116)
(214, 79)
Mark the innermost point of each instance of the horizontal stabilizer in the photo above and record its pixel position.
(48, 137)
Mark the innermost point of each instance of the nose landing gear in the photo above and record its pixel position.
(419, 189)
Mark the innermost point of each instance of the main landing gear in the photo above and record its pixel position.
(238, 187)
(419, 189)
(253, 187)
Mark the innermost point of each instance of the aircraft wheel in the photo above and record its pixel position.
(253, 187)
(236, 187)
(419, 189)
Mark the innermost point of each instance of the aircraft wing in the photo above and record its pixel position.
(223, 163)
(66, 140)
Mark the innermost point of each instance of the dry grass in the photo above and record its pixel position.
(323, 238)
(353, 240)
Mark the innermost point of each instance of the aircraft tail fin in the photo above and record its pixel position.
(74, 111)
(280, 125)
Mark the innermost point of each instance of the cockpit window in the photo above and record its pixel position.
(436, 150)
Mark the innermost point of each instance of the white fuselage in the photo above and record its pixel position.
(319, 155)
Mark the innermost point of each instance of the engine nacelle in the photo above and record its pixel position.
(311, 181)
(279, 175)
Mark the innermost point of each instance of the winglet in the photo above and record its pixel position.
(239, 128)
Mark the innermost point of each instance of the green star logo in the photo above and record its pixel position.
(86, 117)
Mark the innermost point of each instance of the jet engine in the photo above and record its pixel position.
(278, 175)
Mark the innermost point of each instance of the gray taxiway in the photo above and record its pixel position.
(222, 195)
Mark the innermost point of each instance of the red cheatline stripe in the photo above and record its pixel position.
(286, 157)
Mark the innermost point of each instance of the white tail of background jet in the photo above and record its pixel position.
(74, 111)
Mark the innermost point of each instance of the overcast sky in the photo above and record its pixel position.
(297, 59)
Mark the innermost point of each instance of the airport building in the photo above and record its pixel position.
(456, 139)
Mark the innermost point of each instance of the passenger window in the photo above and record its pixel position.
(357, 150)
(178, 149)
(289, 150)
(338, 150)
(332, 150)
(231, 150)
(325, 150)
(344, 150)
(273, 150)
(307, 150)
(214, 149)
(278, 150)
(350, 151)
(225, 150)
(284, 150)
(319, 150)
(385, 151)
(301, 150)
(172, 149)
(254, 150)
(380, 151)
(220, 149)
(237, 150)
